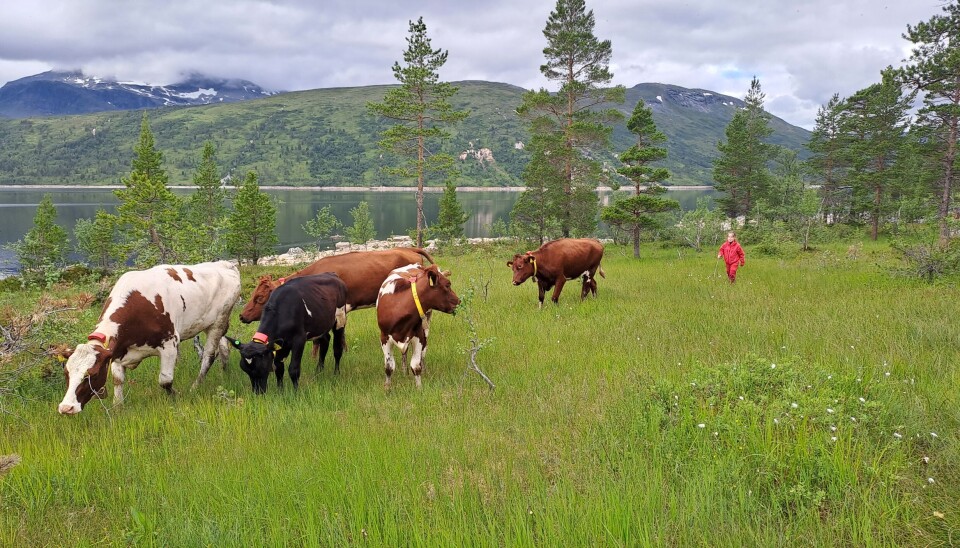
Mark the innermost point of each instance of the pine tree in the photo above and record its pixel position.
(251, 227)
(580, 62)
(875, 122)
(741, 169)
(362, 230)
(44, 247)
(323, 225)
(149, 213)
(934, 69)
(449, 225)
(640, 212)
(421, 107)
(206, 210)
(97, 240)
(535, 214)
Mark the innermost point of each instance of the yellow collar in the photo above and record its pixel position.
(534, 267)
(416, 298)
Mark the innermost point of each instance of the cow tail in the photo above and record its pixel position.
(601, 272)
(424, 254)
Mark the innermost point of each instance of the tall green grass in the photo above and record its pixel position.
(592, 436)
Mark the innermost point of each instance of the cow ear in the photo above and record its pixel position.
(510, 264)
(61, 353)
(530, 258)
(234, 342)
(432, 277)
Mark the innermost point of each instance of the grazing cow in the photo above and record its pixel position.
(558, 261)
(406, 299)
(302, 309)
(361, 271)
(148, 313)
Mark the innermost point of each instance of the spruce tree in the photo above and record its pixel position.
(640, 212)
(43, 248)
(251, 227)
(449, 225)
(741, 169)
(934, 70)
(421, 107)
(827, 164)
(535, 214)
(362, 230)
(149, 214)
(206, 210)
(579, 61)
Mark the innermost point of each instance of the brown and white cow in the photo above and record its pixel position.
(362, 271)
(558, 261)
(148, 313)
(406, 299)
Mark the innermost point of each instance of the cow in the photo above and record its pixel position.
(404, 304)
(555, 262)
(302, 309)
(148, 313)
(362, 271)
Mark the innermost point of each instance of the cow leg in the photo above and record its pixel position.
(278, 367)
(320, 347)
(543, 291)
(556, 291)
(295, 358)
(416, 359)
(119, 375)
(339, 343)
(168, 360)
(224, 353)
(388, 363)
(210, 350)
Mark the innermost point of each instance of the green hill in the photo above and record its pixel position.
(326, 137)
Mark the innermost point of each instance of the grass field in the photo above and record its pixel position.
(812, 403)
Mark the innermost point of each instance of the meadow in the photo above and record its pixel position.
(812, 403)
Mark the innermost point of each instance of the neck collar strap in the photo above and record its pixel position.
(416, 298)
(260, 338)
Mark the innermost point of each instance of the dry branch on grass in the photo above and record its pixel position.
(7, 462)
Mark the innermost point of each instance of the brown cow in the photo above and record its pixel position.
(558, 261)
(362, 271)
(406, 299)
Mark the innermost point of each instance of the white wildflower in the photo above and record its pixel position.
(833, 438)
(934, 435)
(833, 428)
(862, 400)
(701, 425)
(829, 410)
(926, 460)
(931, 481)
(773, 366)
(854, 419)
(794, 405)
(887, 374)
(776, 421)
(829, 377)
(897, 435)
(741, 398)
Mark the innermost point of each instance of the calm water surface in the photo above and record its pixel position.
(393, 212)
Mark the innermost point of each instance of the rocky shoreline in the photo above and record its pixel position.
(297, 255)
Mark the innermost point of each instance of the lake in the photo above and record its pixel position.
(394, 211)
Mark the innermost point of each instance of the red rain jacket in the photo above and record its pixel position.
(732, 252)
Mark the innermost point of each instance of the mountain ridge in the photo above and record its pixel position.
(326, 137)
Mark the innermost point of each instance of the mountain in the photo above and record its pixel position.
(56, 93)
(326, 137)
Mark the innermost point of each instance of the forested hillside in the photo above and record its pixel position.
(326, 137)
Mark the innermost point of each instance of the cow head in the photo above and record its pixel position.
(256, 360)
(435, 291)
(86, 374)
(254, 307)
(523, 266)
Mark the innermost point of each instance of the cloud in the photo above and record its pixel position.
(802, 52)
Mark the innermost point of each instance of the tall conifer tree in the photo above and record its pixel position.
(421, 107)
(579, 61)
(252, 226)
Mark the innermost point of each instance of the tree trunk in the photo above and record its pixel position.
(948, 160)
(875, 214)
(420, 146)
(636, 242)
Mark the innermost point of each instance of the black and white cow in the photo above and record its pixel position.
(148, 313)
(302, 309)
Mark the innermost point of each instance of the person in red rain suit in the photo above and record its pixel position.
(732, 254)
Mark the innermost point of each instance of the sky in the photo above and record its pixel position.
(802, 51)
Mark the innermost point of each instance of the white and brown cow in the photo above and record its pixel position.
(148, 313)
(558, 261)
(406, 299)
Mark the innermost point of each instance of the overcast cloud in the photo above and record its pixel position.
(803, 51)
